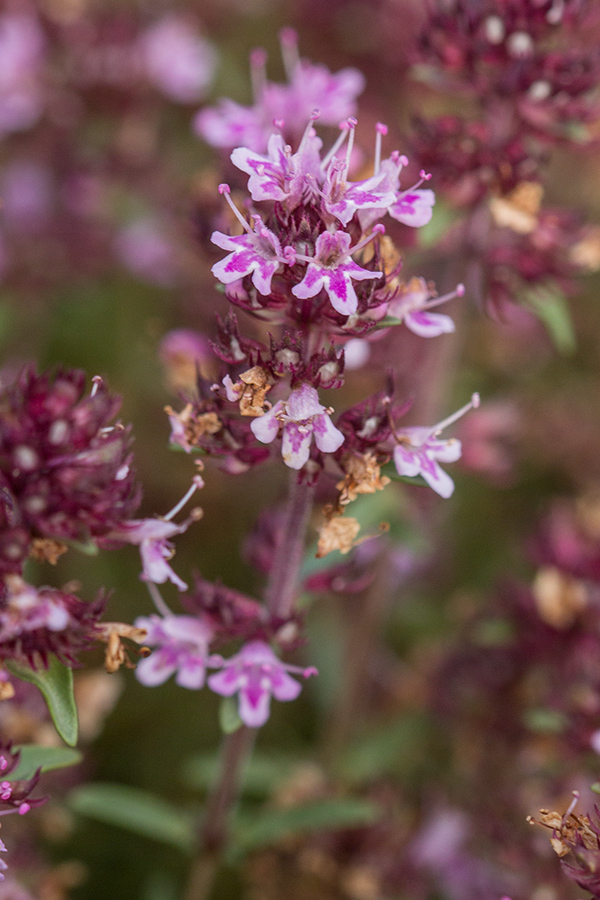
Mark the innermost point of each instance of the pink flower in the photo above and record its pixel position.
(256, 674)
(413, 304)
(333, 269)
(281, 175)
(145, 248)
(21, 51)
(182, 647)
(257, 252)
(152, 537)
(419, 451)
(309, 87)
(177, 59)
(413, 207)
(302, 416)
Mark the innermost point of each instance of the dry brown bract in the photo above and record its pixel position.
(251, 390)
(559, 598)
(194, 426)
(519, 211)
(566, 828)
(363, 476)
(112, 634)
(47, 550)
(337, 533)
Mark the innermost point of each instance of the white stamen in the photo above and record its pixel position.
(344, 129)
(158, 600)
(519, 43)
(494, 29)
(309, 130)
(539, 90)
(473, 404)
(97, 382)
(352, 125)
(572, 805)
(380, 130)
(189, 493)
(225, 190)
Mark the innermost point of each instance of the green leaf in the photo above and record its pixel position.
(323, 815)
(595, 787)
(135, 810)
(34, 757)
(229, 718)
(56, 685)
(552, 309)
(390, 470)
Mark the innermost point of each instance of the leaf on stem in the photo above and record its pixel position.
(56, 686)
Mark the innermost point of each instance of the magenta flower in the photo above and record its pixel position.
(333, 269)
(182, 647)
(281, 175)
(309, 87)
(257, 252)
(178, 59)
(419, 451)
(413, 207)
(302, 416)
(412, 306)
(256, 674)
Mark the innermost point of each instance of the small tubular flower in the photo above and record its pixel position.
(419, 452)
(302, 416)
(412, 305)
(333, 269)
(255, 673)
(257, 253)
(181, 647)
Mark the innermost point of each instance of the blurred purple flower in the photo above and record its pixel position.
(256, 674)
(182, 647)
(21, 52)
(177, 59)
(145, 248)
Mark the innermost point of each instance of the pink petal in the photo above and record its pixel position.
(284, 687)
(406, 461)
(254, 710)
(265, 428)
(155, 669)
(439, 480)
(191, 672)
(295, 447)
(427, 324)
(328, 438)
(225, 682)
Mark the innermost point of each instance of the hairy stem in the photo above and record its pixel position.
(280, 596)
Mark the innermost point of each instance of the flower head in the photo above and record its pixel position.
(182, 647)
(419, 452)
(256, 674)
(302, 417)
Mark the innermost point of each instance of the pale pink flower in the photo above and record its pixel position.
(21, 53)
(255, 673)
(177, 59)
(333, 269)
(419, 452)
(181, 647)
(413, 307)
(302, 417)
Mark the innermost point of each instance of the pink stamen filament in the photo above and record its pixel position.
(473, 404)
(344, 129)
(225, 190)
(380, 131)
(158, 601)
(288, 41)
(424, 176)
(352, 126)
(258, 73)
(437, 301)
(378, 229)
(309, 130)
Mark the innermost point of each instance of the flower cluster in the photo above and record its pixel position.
(65, 478)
